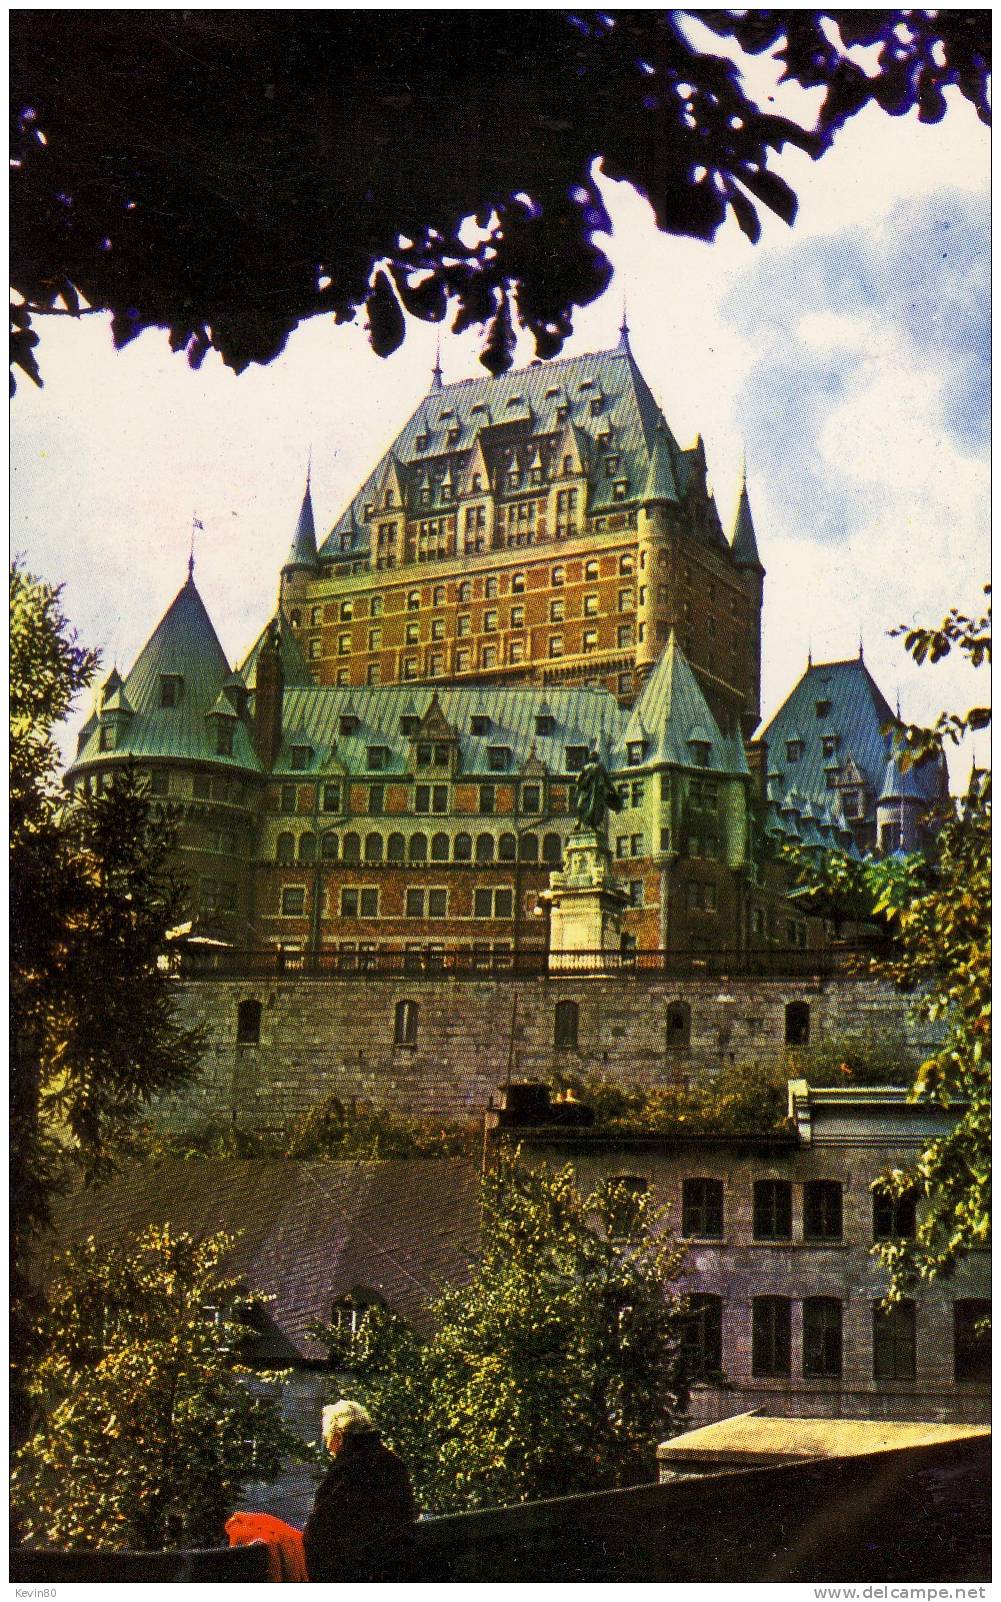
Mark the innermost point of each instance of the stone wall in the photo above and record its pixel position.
(334, 1036)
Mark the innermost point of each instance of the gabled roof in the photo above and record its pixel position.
(367, 1224)
(594, 395)
(857, 715)
(185, 646)
(673, 710)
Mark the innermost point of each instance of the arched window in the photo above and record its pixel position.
(285, 848)
(248, 1023)
(439, 848)
(328, 848)
(679, 1024)
(463, 848)
(484, 848)
(373, 848)
(307, 848)
(418, 848)
(530, 848)
(352, 848)
(565, 1025)
(797, 1023)
(552, 850)
(405, 1029)
(507, 848)
(396, 849)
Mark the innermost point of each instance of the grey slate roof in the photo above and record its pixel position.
(308, 1232)
(302, 552)
(294, 665)
(513, 410)
(744, 544)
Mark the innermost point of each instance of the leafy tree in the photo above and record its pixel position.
(556, 1369)
(92, 1031)
(149, 1428)
(939, 908)
(224, 176)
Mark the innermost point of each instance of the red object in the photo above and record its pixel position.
(286, 1559)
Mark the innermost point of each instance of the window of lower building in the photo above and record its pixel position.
(771, 1335)
(702, 1337)
(821, 1338)
(488, 799)
(565, 1025)
(437, 903)
(797, 1019)
(972, 1338)
(248, 1023)
(415, 903)
(159, 782)
(822, 1210)
(331, 798)
(285, 848)
(288, 797)
(405, 1023)
(503, 903)
(679, 1023)
(483, 903)
(893, 1341)
(772, 1209)
(894, 1217)
(293, 901)
(702, 1209)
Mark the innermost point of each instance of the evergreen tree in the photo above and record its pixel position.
(92, 1032)
(149, 1428)
(558, 1368)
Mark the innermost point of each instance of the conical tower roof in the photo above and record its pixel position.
(302, 552)
(295, 669)
(674, 711)
(184, 644)
(744, 544)
(661, 483)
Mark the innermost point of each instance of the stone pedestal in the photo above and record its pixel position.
(586, 904)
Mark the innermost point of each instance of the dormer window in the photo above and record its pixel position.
(545, 724)
(830, 744)
(409, 724)
(513, 479)
(700, 750)
(224, 731)
(171, 685)
(423, 441)
(611, 465)
(576, 757)
(301, 757)
(106, 740)
(535, 477)
(454, 432)
(498, 758)
(794, 750)
(479, 723)
(477, 483)
(348, 723)
(596, 405)
(426, 496)
(389, 500)
(377, 757)
(635, 751)
(369, 510)
(823, 709)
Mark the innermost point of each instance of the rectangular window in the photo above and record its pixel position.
(370, 903)
(375, 608)
(422, 798)
(343, 644)
(375, 639)
(373, 673)
(771, 1332)
(293, 901)
(894, 1217)
(702, 1337)
(821, 1338)
(377, 755)
(636, 892)
(349, 903)
(971, 1339)
(437, 903)
(462, 661)
(589, 641)
(490, 620)
(557, 611)
(517, 617)
(288, 799)
(376, 800)
(415, 903)
(439, 798)
(498, 758)
(893, 1341)
(702, 1209)
(531, 798)
(590, 606)
(516, 651)
(503, 903)
(488, 656)
(413, 631)
(463, 625)
(624, 634)
(159, 782)
(576, 756)
(483, 903)
(822, 1210)
(772, 1209)
(625, 600)
(488, 798)
(490, 589)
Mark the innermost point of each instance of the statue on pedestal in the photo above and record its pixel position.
(594, 795)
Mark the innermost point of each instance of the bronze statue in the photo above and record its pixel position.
(594, 794)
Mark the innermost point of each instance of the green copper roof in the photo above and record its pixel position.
(744, 544)
(295, 668)
(675, 712)
(184, 649)
(302, 552)
(602, 395)
(661, 484)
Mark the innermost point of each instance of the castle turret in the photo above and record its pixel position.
(744, 550)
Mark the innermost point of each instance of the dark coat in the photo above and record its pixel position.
(362, 1519)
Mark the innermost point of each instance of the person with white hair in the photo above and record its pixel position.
(362, 1520)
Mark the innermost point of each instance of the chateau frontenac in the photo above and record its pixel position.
(534, 571)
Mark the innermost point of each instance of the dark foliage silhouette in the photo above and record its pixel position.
(224, 175)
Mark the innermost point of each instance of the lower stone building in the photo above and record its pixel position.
(786, 1296)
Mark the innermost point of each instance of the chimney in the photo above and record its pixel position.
(757, 761)
(268, 699)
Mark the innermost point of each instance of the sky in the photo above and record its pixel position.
(847, 357)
